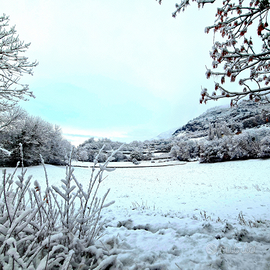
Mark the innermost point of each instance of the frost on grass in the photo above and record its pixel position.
(52, 229)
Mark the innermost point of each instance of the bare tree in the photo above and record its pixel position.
(8, 117)
(238, 57)
(13, 64)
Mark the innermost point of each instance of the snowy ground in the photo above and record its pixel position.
(186, 216)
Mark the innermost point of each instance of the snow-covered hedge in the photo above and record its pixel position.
(184, 150)
(253, 143)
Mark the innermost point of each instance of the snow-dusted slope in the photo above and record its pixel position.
(247, 114)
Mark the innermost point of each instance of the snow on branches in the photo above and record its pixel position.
(54, 228)
(236, 58)
(13, 65)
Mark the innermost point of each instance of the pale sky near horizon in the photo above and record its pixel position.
(122, 69)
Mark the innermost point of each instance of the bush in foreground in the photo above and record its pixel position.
(54, 229)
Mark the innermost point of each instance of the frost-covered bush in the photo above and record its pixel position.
(119, 156)
(52, 229)
(184, 149)
(215, 150)
(102, 157)
(265, 147)
(251, 143)
(136, 154)
(244, 146)
(148, 156)
(88, 150)
(218, 130)
(247, 145)
(82, 155)
(174, 151)
(135, 161)
(164, 146)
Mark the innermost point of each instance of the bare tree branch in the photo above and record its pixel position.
(13, 65)
(235, 55)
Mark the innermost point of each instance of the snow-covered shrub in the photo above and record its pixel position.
(188, 150)
(91, 147)
(137, 155)
(147, 156)
(119, 156)
(82, 155)
(102, 157)
(214, 151)
(174, 151)
(184, 150)
(53, 229)
(135, 161)
(92, 155)
(164, 146)
(265, 147)
(243, 146)
(218, 130)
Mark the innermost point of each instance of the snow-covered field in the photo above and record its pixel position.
(186, 216)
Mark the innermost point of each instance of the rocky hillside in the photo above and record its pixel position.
(247, 114)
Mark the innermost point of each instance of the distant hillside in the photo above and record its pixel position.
(228, 134)
(165, 135)
(247, 114)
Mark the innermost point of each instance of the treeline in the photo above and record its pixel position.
(249, 144)
(221, 141)
(36, 136)
(223, 134)
(134, 151)
(138, 150)
(221, 144)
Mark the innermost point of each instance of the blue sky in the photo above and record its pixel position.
(122, 69)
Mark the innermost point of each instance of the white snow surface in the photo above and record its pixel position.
(187, 216)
